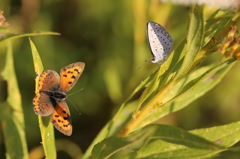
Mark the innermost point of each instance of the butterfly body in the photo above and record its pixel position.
(52, 93)
(57, 95)
(160, 42)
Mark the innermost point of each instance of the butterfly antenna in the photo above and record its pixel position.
(75, 92)
(143, 64)
(74, 106)
(72, 102)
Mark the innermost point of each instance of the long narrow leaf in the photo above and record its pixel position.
(157, 141)
(196, 85)
(194, 40)
(11, 36)
(11, 112)
(46, 128)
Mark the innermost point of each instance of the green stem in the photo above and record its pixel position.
(142, 114)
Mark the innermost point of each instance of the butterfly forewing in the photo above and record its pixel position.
(49, 81)
(160, 42)
(61, 118)
(70, 74)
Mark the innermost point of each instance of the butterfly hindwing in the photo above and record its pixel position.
(61, 118)
(160, 42)
(70, 74)
(43, 105)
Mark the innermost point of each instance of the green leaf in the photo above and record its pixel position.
(46, 128)
(113, 126)
(189, 89)
(161, 77)
(10, 36)
(11, 112)
(215, 23)
(226, 135)
(194, 40)
(156, 141)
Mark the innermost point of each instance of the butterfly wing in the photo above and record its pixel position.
(43, 105)
(70, 74)
(49, 81)
(61, 118)
(160, 42)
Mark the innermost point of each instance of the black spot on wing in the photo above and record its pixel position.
(76, 70)
(66, 125)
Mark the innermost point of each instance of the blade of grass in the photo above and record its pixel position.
(46, 128)
(11, 113)
(11, 36)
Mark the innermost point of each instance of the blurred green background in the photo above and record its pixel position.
(110, 37)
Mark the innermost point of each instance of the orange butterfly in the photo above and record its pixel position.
(52, 93)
